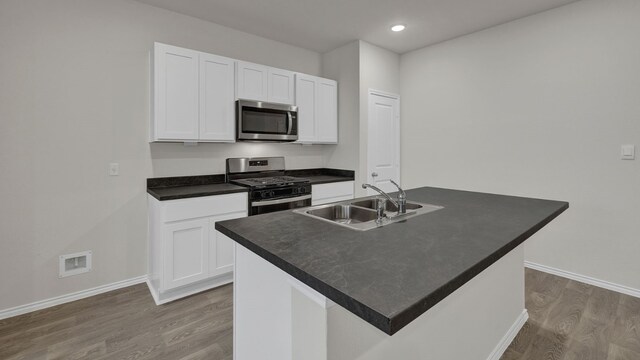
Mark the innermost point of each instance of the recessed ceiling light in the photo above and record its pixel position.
(397, 28)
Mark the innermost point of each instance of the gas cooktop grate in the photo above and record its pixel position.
(270, 181)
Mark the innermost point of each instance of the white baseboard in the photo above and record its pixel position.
(43, 304)
(584, 279)
(509, 336)
(184, 291)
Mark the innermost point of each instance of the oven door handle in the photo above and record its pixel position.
(290, 122)
(280, 201)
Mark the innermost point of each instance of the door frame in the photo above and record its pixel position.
(370, 166)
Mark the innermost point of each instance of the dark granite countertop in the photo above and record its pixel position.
(323, 176)
(181, 187)
(389, 276)
(184, 192)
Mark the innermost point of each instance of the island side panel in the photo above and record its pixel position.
(276, 317)
(475, 322)
(262, 309)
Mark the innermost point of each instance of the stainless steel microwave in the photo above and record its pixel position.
(262, 121)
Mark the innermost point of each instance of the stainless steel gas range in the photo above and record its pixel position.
(270, 189)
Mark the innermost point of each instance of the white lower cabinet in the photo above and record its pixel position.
(186, 247)
(186, 254)
(220, 248)
(331, 192)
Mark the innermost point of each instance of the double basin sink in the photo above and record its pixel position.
(361, 214)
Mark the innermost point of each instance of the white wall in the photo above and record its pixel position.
(75, 97)
(343, 65)
(358, 67)
(539, 107)
(173, 159)
(379, 70)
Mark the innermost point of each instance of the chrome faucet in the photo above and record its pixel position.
(402, 199)
(381, 206)
(401, 203)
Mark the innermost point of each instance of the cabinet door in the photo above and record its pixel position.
(217, 112)
(221, 249)
(252, 81)
(175, 93)
(327, 111)
(332, 192)
(185, 252)
(280, 84)
(306, 95)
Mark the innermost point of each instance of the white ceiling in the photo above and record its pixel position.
(323, 25)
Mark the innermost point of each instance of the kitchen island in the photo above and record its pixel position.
(444, 285)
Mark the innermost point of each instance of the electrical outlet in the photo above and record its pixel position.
(114, 169)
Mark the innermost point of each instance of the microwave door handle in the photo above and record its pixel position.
(290, 122)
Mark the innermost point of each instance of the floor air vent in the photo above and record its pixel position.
(74, 264)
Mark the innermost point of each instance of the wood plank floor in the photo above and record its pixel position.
(124, 324)
(568, 320)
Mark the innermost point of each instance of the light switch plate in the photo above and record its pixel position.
(114, 169)
(628, 152)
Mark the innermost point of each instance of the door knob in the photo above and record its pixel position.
(374, 174)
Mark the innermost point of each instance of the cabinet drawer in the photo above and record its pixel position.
(205, 206)
(332, 190)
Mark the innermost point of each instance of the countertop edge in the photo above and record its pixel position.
(194, 195)
(155, 186)
(404, 318)
(320, 182)
(371, 316)
(391, 325)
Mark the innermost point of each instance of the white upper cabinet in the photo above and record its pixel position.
(327, 111)
(317, 101)
(175, 93)
(306, 89)
(263, 83)
(217, 111)
(193, 96)
(281, 86)
(251, 81)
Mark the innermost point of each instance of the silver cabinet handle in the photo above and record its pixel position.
(374, 174)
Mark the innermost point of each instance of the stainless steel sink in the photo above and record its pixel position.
(343, 214)
(361, 215)
(371, 204)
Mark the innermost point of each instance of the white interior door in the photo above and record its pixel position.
(383, 152)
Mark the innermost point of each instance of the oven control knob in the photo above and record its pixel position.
(272, 194)
(301, 190)
(264, 194)
(294, 191)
